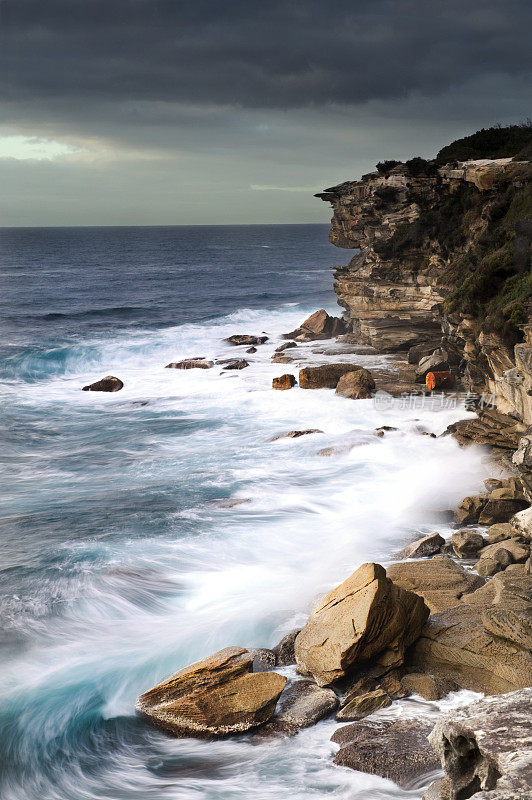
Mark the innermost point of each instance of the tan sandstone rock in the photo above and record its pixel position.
(324, 377)
(357, 385)
(213, 697)
(284, 382)
(366, 617)
(439, 581)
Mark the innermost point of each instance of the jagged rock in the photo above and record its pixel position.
(501, 506)
(366, 617)
(490, 427)
(284, 382)
(284, 651)
(244, 338)
(191, 363)
(430, 687)
(318, 326)
(233, 363)
(419, 351)
(363, 705)
(295, 434)
(358, 385)
(437, 362)
(457, 644)
(359, 687)
(263, 659)
(397, 750)
(486, 748)
(302, 704)
(285, 346)
(324, 377)
(393, 687)
(470, 509)
(427, 546)
(213, 697)
(440, 581)
(466, 543)
(499, 532)
(521, 523)
(107, 384)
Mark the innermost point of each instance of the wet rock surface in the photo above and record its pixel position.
(191, 363)
(318, 326)
(357, 385)
(284, 382)
(107, 384)
(246, 338)
(324, 377)
(426, 546)
(398, 750)
(296, 434)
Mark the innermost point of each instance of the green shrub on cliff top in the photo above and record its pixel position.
(496, 142)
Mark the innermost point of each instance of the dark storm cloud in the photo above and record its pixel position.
(77, 54)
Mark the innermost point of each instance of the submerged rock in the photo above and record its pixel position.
(213, 697)
(486, 748)
(278, 358)
(399, 751)
(366, 617)
(191, 363)
(245, 338)
(107, 384)
(295, 434)
(233, 363)
(286, 381)
(357, 385)
(324, 377)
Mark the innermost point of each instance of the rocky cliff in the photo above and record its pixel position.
(443, 261)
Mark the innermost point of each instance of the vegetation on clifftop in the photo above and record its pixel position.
(496, 142)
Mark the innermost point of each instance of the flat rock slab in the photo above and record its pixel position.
(486, 748)
(399, 751)
(246, 338)
(214, 697)
(366, 617)
(440, 581)
(191, 363)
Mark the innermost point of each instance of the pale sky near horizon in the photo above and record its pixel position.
(154, 112)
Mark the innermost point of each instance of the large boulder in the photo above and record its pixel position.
(521, 523)
(470, 509)
(357, 385)
(486, 748)
(502, 504)
(397, 750)
(498, 556)
(318, 326)
(107, 384)
(480, 643)
(213, 697)
(440, 581)
(246, 338)
(466, 544)
(324, 377)
(366, 617)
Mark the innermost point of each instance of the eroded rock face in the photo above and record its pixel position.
(467, 543)
(358, 385)
(107, 384)
(398, 750)
(480, 643)
(324, 377)
(362, 705)
(440, 581)
(213, 697)
(486, 748)
(366, 617)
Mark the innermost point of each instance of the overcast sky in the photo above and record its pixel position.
(128, 112)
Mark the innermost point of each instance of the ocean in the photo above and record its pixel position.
(142, 530)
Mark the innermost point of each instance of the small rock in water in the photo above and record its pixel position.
(427, 546)
(191, 363)
(277, 358)
(107, 384)
(363, 705)
(263, 659)
(429, 687)
(245, 338)
(233, 363)
(285, 346)
(284, 382)
(295, 434)
(251, 350)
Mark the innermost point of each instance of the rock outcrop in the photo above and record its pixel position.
(324, 377)
(214, 697)
(486, 748)
(366, 617)
(318, 326)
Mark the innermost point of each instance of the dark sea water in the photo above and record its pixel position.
(119, 563)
